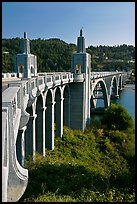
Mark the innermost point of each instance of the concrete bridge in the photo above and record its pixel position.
(33, 105)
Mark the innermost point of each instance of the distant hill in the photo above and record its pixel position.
(55, 55)
(107, 58)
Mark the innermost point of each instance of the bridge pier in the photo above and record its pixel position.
(76, 106)
(34, 135)
(80, 104)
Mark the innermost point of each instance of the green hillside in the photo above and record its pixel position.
(55, 55)
(95, 166)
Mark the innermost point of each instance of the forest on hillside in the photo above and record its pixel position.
(55, 55)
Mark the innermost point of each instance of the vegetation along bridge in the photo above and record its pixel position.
(33, 105)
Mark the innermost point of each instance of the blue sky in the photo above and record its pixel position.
(104, 23)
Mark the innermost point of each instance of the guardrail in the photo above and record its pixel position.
(9, 75)
(14, 176)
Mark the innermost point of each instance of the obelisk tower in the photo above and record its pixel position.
(25, 64)
(80, 88)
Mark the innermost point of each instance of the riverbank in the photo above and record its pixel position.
(131, 80)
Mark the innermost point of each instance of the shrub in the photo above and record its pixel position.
(117, 118)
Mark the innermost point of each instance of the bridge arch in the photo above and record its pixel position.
(25, 144)
(99, 92)
(58, 114)
(39, 125)
(20, 147)
(29, 133)
(114, 87)
(120, 82)
(66, 105)
(49, 119)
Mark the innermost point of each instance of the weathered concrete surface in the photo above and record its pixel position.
(6, 81)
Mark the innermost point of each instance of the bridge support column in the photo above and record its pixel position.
(44, 134)
(34, 135)
(79, 105)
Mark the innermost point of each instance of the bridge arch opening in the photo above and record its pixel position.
(19, 147)
(49, 114)
(99, 97)
(120, 83)
(66, 106)
(39, 124)
(114, 88)
(57, 112)
(29, 134)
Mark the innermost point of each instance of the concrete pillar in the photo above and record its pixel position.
(44, 136)
(4, 183)
(76, 106)
(34, 135)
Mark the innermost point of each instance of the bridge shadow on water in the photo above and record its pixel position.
(62, 179)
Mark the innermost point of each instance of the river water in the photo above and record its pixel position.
(126, 99)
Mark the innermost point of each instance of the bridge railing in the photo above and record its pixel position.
(12, 96)
(96, 75)
(14, 177)
(56, 78)
(9, 75)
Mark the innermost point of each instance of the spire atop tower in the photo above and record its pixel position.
(81, 32)
(81, 43)
(25, 35)
(25, 44)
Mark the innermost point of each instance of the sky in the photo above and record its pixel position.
(104, 23)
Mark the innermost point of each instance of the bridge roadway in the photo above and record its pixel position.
(10, 77)
(6, 81)
(30, 109)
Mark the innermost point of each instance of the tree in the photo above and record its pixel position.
(117, 118)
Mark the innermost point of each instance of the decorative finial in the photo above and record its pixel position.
(25, 34)
(81, 31)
